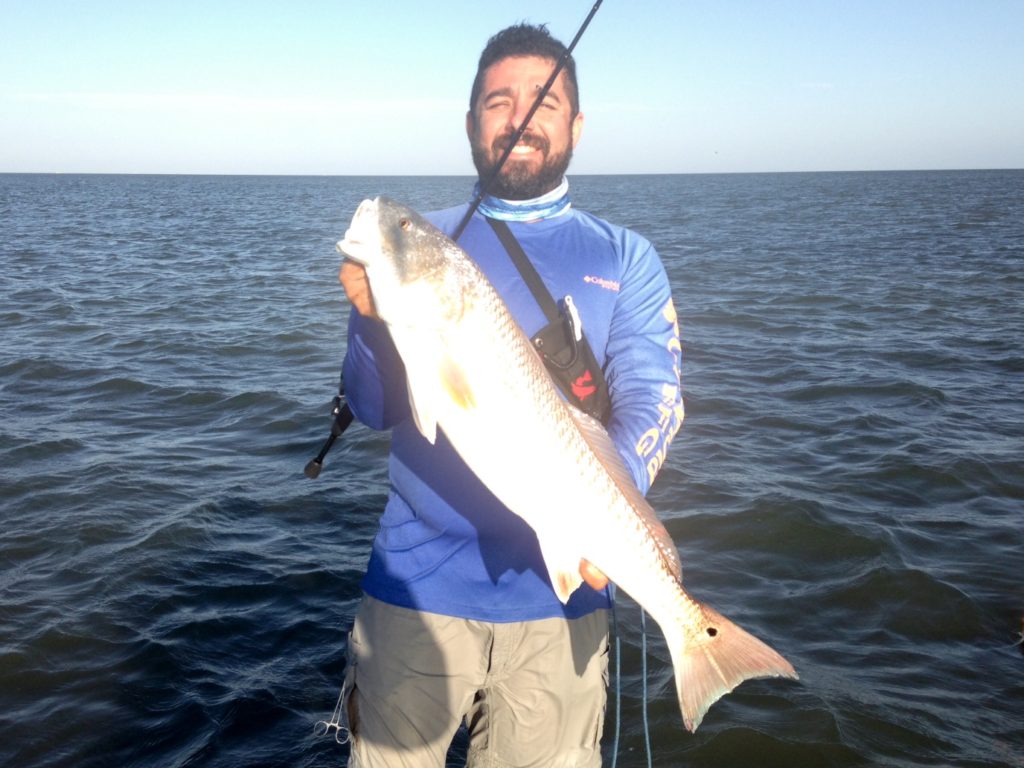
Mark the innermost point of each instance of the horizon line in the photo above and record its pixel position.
(472, 175)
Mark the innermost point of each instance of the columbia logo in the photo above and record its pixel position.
(611, 285)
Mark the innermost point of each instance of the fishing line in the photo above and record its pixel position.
(643, 675)
(618, 678)
(618, 681)
(342, 412)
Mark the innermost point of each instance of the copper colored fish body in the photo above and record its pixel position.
(472, 372)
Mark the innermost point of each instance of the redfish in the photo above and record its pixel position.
(473, 373)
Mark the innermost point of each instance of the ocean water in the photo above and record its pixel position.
(848, 484)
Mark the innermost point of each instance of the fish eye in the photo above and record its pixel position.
(404, 223)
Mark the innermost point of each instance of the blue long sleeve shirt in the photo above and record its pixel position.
(446, 544)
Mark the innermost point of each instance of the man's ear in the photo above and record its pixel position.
(577, 129)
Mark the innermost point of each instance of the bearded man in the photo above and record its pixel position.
(459, 622)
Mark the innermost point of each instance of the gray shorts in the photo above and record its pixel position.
(531, 693)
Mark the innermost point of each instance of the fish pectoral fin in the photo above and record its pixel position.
(427, 381)
(419, 375)
(456, 384)
(422, 413)
(563, 568)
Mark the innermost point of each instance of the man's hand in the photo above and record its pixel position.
(591, 574)
(353, 279)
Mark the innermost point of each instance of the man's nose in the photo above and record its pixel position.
(519, 112)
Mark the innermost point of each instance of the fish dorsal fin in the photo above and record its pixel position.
(601, 444)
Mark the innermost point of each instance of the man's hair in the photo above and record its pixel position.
(526, 40)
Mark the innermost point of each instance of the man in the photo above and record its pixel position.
(459, 621)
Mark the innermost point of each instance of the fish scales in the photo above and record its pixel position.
(473, 373)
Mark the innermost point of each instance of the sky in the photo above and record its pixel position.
(381, 87)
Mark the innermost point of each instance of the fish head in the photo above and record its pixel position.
(408, 261)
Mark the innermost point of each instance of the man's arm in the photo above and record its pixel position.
(643, 359)
(642, 367)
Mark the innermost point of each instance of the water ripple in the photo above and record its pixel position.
(847, 484)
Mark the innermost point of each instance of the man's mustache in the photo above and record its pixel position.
(501, 143)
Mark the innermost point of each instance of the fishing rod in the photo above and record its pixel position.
(343, 415)
(342, 419)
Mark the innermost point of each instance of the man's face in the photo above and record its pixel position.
(539, 161)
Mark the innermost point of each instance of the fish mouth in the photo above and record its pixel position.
(362, 238)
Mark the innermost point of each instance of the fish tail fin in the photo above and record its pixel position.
(721, 657)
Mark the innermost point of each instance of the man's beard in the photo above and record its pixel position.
(517, 181)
